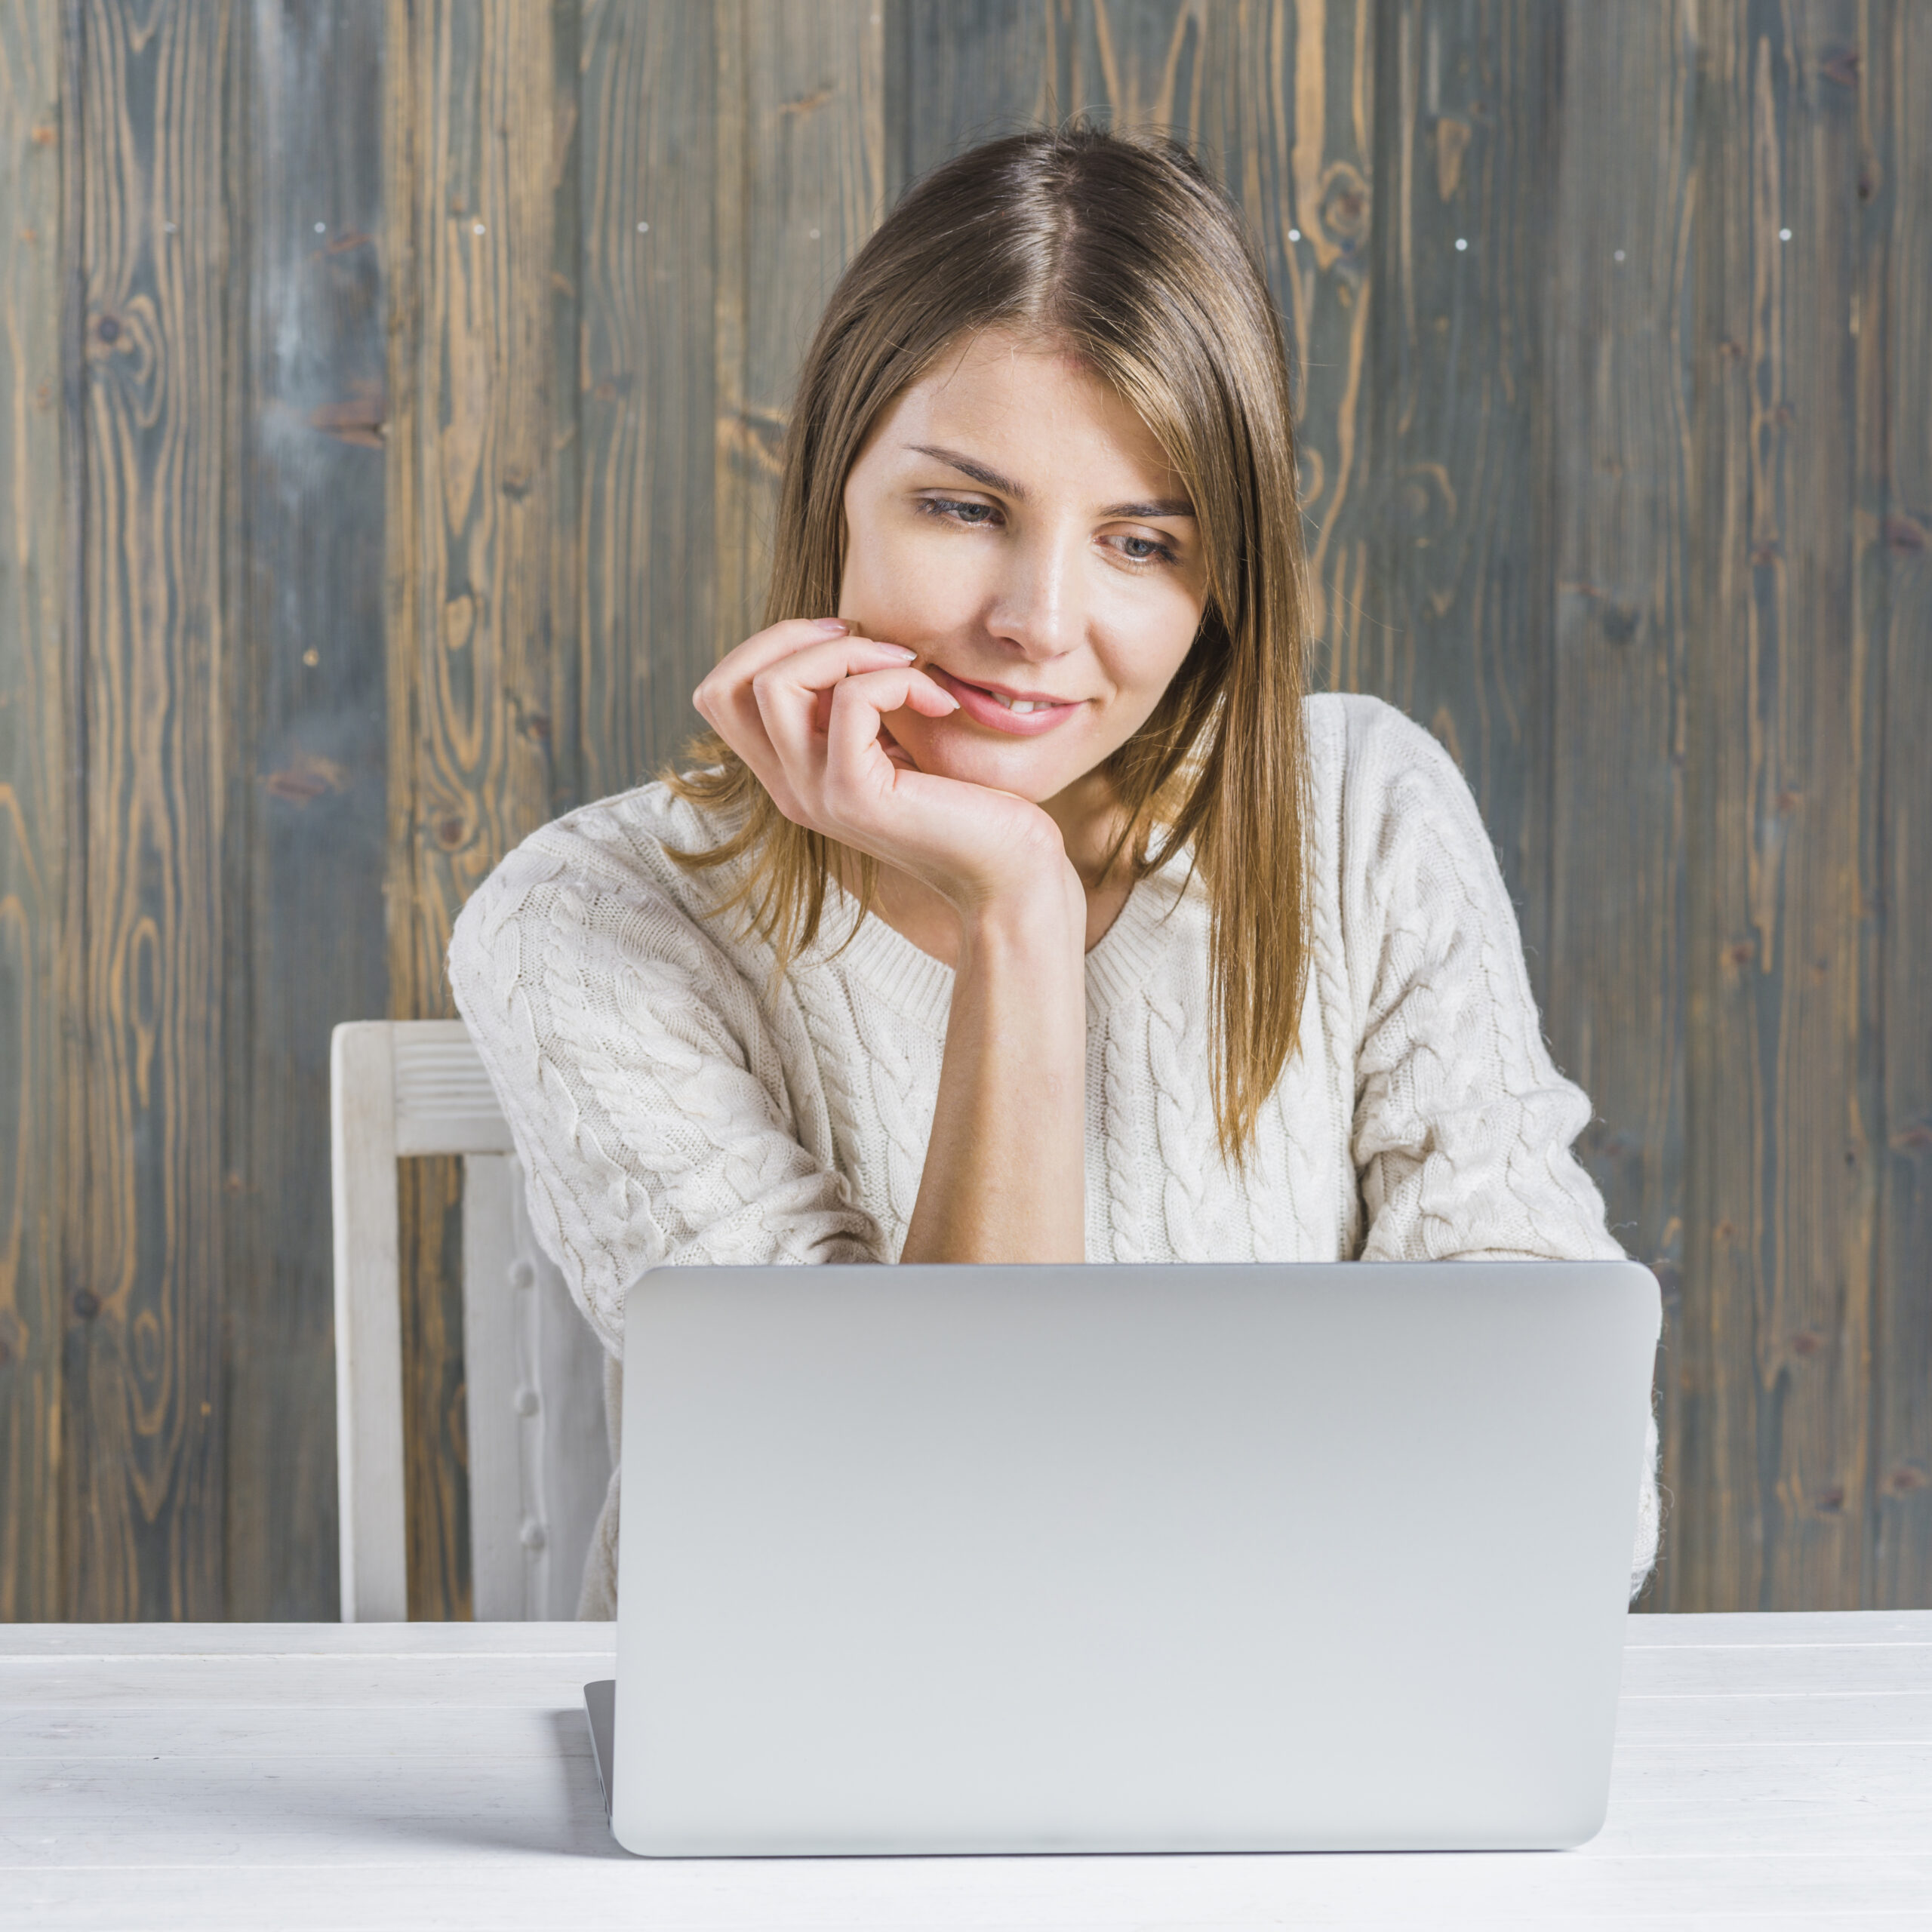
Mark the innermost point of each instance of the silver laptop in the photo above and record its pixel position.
(1123, 1559)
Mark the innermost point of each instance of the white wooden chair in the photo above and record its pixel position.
(540, 1460)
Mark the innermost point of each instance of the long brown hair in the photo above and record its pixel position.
(1122, 248)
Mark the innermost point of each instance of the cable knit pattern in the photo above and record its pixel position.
(671, 1102)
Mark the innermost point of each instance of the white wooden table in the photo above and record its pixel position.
(1771, 1771)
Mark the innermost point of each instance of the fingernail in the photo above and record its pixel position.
(833, 624)
(899, 650)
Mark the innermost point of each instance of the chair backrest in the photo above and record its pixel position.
(540, 1460)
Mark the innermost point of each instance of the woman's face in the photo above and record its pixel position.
(1012, 519)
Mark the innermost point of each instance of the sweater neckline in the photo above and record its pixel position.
(915, 984)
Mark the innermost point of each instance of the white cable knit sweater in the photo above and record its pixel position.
(669, 1105)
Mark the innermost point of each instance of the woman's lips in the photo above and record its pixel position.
(980, 705)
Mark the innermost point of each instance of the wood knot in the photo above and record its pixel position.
(1807, 1342)
(449, 833)
(1832, 1501)
(1841, 66)
(1902, 533)
(360, 419)
(1344, 204)
(108, 329)
(1906, 1478)
(87, 1304)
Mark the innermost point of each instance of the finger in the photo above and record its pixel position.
(790, 696)
(715, 691)
(859, 705)
(731, 704)
(795, 720)
(783, 687)
(819, 666)
(764, 648)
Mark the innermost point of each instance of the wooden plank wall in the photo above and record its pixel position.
(34, 806)
(348, 554)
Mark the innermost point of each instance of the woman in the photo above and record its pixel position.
(1020, 906)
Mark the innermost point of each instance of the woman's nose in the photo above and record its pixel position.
(1040, 606)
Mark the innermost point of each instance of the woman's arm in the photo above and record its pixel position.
(1004, 1176)
(802, 703)
(643, 1086)
(1463, 1126)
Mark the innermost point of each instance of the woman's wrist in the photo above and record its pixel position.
(1040, 922)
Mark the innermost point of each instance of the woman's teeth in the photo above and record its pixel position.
(1021, 705)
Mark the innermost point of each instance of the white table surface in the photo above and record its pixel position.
(1770, 1771)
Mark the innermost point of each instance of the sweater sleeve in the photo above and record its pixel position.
(645, 1092)
(1463, 1128)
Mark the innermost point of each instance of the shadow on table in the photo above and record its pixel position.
(557, 1808)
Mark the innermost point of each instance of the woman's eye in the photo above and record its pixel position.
(1146, 550)
(974, 516)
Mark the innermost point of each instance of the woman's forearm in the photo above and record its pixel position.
(1004, 1178)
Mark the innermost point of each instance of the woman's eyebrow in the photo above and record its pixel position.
(979, 473)
(992, 480)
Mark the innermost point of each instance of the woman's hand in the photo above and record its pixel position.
(804, 704)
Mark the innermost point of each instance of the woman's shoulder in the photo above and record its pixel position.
(616, 854)
(1376, 774)
(1365, 742)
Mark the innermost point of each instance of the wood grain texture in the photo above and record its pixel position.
(308, 824)
(480, 587)
(33, 713)
(1298, 147)
(1776, 1352)
(801, 183)
(1456, 601)
(1893, 593)
(358, 1756)
(142, 1374)
(1619, 396)
(646, 169)
(1644, 541)
(961, 72)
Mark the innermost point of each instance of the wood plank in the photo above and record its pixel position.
(1619, 392)
(307, 856)
(1455, 625)
(308, 1640)
(480, 588)
(488, 1680)
(143, 1392)
(1894, 588)
(962, 72)
(801, 183)
(996, 1895)
(89, 1734)
(265, 1802)
(34, 737)
(386, 1803)
(1776, 1336)
(647, 141)
(1297, 139)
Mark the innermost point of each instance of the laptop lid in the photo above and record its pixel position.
(1124, 1558)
